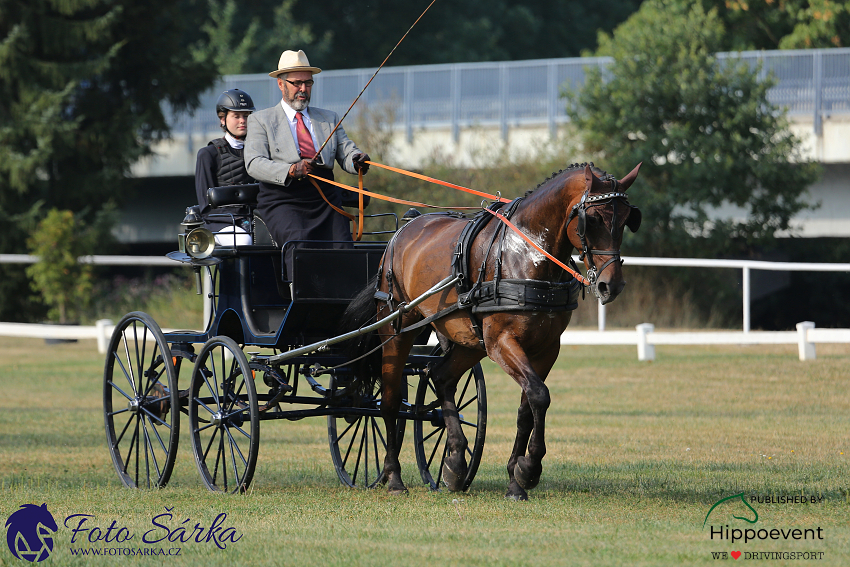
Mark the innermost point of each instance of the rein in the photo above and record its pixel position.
(576, 274)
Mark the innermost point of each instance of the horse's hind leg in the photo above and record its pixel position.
(446, 375)
(392, 393)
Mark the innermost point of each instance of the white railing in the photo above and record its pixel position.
(644, 337)
(745, 265)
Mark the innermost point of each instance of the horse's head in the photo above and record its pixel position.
(599, 212)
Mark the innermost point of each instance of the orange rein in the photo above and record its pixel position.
(359, 231)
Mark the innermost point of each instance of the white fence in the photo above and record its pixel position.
(644, 337)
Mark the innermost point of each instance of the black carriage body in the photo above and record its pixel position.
(254, 309)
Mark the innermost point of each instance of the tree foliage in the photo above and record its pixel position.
(82, 84)
(361, 35)
(781, 24)
(705, 132)
(63, 283)
(241, 38)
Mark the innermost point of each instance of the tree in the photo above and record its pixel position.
(62, 282)
(82, 84)
(452, 32)
(239, 39)
(705, 132)
(787, 24)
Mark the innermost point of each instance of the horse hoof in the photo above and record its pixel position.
(516, 493)
(453, 480)
(398, 491)
(527, 476)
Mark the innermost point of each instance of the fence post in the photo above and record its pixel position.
(806, 348)
(601, 315)
(102, 326)
(646, 351)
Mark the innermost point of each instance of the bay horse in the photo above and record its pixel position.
(581, 207)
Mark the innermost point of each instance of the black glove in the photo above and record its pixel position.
(360, 162)
(299, 170)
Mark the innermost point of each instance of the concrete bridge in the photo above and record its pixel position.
(471, 112)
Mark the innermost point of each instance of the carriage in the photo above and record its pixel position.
(494, 289)
(270, 350)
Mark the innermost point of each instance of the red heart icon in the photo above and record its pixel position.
(735, 554)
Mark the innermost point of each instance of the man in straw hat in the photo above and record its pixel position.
(280, 151)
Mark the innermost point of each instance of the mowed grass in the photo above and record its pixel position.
(637, 455)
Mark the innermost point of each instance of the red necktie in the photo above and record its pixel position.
(305, 141)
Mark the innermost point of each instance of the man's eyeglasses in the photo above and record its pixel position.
(298, 84)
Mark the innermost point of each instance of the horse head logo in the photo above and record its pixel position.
(733, 497)
(30, 534)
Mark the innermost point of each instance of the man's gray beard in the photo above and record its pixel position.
(298, 104)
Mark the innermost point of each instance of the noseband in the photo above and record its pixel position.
(580, 210)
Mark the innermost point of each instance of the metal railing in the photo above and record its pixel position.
(813, 82)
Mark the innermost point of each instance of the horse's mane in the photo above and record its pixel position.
(572, 168)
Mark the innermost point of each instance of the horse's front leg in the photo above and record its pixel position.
(392, 394)
(525, 468)
(524, 427)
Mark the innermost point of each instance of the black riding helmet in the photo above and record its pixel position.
(234, 99)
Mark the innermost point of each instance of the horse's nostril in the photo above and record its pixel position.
(602, 287)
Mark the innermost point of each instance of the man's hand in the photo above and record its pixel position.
(360, 162)
(301, 169)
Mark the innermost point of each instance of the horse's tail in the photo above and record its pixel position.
(361, 312)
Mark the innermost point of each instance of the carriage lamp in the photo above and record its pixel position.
(200, 243)
(194, 240)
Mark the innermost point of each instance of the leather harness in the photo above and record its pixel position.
(484, 297)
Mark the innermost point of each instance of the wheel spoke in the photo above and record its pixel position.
(155, 432)
(436, 430)
(223, 453)
(152, 416)
(209, 445)
(111, 383)
(151, 448)
(464, 406)
(238, 450)
(359, 455)
(124, 370)
(436, 446)
(465, 387)
(351, 443)
(233, 459)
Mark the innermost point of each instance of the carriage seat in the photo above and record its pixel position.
(233, 195)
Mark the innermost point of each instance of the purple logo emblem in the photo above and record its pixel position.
(30, 532)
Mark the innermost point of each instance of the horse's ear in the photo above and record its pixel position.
(591, 181)
(627, 181)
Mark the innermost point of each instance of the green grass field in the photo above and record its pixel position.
(637, 455)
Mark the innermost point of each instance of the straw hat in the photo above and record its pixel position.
(293, 61)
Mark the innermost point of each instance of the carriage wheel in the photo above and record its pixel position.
(358, 445)
(223, 416)
(429, 437)
(139, 397)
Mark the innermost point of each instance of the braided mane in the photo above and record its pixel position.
(601, 174)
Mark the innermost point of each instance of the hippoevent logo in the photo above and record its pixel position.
(737, 507)
(30, 532)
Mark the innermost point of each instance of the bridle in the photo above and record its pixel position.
(579, 211)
